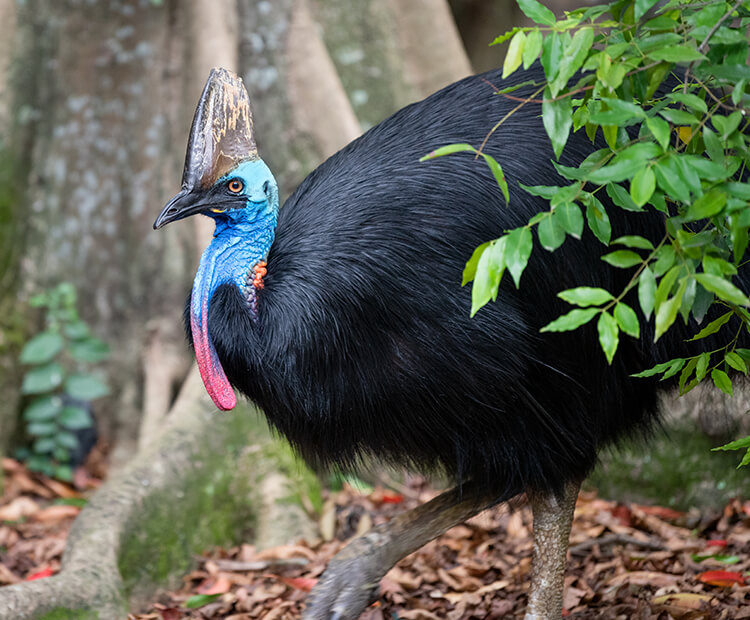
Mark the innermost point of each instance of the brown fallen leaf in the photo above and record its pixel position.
(284, 552)
(57, 513)
(18, 509)
(60, 488)
(220, 585)
(682, 605)
(685, 600)
(644, 578)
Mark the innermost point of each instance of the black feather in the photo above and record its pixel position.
(364, 345)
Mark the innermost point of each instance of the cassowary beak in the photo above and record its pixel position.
(183, 205)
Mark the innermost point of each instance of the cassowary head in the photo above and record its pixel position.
(226, 180)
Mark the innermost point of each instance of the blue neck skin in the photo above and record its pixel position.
(242, 237)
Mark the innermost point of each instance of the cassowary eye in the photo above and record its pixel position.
(235, 186)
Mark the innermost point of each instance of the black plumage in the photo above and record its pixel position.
(363, 343)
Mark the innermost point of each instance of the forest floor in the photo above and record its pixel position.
(626, 560)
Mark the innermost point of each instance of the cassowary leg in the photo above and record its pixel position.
(350, 583)
(553, 516)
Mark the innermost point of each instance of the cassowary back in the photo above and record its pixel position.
(363, 343)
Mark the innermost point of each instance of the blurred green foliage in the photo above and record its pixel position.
(59, 382)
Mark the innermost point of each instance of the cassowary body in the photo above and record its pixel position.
(358, 339)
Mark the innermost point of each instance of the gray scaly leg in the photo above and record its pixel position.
(553, 516)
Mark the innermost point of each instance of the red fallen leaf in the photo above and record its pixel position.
(722, 578)
(389, 497)
(214, 586)
(45, 572)
(661, 511)
(716, 542)
(298, 583)
(622, 514)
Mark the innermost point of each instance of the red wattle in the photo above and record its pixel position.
(214, 378)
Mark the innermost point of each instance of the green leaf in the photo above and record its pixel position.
(617, 112)
(85, 387)
(678, 117)
(691, 101)
(646, 291)
(660, 129)
(505, 36)
(722, 288)
(571, 320)
(634, 241)
(90, 350)
(537, 12)
(568, 216)
(551, 54)
(517, 252)
(642, 186)
(586, 296)
(199, 600)
(470, 269)
(75, 418)
(736, 362)
(659, 368)
(43, 409)
(713, 327)
(676, 53)
(737, 444)
(449, 149)
(42, 379)
(674, 367)
(627, 320)
(497, 172)
(714, 146)
(722, 381)
(621, 197)
(43, 445)
(544, 191)
(489, 271)
(63, 472)
(557, 116)
(533, 48)
(642, 7)
(551, 235)
(597, 219)
(41, 429)
(573, 56)
(609, 335)
(685, 375)
(514, 55)
(66, 439)
(622, 259)
(625, 164)
(707, 205)
(702, 365)
(41, 348)
(666, 312)
(76, 330)
(670, 181)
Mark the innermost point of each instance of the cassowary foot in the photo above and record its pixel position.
(351, 581)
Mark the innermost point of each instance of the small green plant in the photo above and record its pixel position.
(59, 382)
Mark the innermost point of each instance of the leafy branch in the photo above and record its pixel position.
(667, 87)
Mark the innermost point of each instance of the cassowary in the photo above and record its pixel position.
(342, 316)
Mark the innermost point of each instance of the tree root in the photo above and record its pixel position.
(195, 486)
